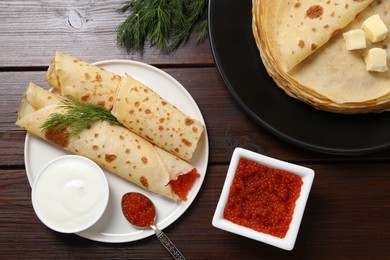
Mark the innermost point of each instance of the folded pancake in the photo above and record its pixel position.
(343, 78)
(134, 104)
(113, 147)
(298, 28)
(332, 78)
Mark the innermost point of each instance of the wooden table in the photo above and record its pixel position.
(348, 212)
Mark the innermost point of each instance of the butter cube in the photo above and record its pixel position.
(375, 29)
(376, 60)
(355, 39)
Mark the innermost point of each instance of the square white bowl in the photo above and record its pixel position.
(286, 243)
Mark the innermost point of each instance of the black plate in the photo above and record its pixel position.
(240, 66)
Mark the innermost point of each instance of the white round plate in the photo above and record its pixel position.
(113, 227)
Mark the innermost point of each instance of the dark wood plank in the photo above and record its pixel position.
(348, 209)
(234, 129)
(344, 219)
(33, 29)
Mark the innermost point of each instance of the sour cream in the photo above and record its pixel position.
(70, 194)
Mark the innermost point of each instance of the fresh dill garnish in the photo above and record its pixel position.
(77, 118)
(165, 24)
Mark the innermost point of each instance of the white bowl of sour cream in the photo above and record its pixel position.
(70, 194)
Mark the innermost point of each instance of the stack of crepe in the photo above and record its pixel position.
(303, 50)
(151, 149)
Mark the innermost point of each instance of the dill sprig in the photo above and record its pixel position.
(164, 24)
(77, 118)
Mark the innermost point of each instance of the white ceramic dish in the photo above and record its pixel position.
(288, 241)
(113, 227)
(70, 194)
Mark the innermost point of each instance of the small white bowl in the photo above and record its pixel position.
(70, 194)
(286, 243)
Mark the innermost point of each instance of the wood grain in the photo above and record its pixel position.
(348, 212)
(234, 129)
(32, 30)
(343, 220)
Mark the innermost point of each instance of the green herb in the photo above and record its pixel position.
(78, 117)
(163, 23)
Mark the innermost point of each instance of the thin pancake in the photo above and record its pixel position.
(81, 81)
(143, 112)
(343, 78)
(298, 28)
(114, 148)
(333, 78)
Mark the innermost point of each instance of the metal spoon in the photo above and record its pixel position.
(139, 210)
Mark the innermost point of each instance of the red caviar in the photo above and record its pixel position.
(262, 198)
(138, 209)
(182, 185)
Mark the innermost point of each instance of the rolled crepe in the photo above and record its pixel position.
(81, 81)
(36, 98)
(145, 113)
(114, 148)
(135, 105)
